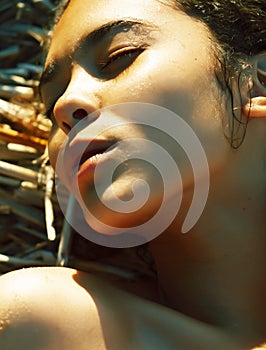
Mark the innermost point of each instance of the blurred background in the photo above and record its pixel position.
(25, 201)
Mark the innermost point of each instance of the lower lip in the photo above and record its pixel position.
(90, 163)
(87, 168)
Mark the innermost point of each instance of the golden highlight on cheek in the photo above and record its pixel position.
(55, 142)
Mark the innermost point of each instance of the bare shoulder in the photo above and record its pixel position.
(43, 308)
(53, 308)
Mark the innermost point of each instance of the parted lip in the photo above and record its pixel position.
(82, 150)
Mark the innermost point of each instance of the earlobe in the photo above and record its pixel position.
(255, 106)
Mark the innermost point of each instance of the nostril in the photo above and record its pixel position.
(80, 113)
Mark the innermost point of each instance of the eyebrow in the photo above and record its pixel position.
(99, 33)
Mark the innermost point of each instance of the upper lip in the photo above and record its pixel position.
(81, 150)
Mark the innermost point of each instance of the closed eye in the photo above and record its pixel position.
(118, 61)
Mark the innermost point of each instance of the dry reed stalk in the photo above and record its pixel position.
(18, 172)
(32, 215)
(48, 204)
(23, 92)
(24, 262)
(10, 135)
(24, 117)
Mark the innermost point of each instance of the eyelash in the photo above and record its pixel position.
(131, 53)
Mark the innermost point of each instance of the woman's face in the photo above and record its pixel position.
(105, 53)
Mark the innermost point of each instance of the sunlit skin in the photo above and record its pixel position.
(154, 73)
(174, 70)
(211, 278)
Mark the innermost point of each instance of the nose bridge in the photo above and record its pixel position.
(79, 99)
(82, 80)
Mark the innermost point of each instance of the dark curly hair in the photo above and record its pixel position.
(239, 30)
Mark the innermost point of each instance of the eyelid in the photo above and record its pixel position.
(121, 49)
(119, 52)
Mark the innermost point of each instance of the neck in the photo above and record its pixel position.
(214, 273)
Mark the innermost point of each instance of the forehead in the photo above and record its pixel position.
(84, 16)
(93, 12)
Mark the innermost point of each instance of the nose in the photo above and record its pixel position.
(78, 101)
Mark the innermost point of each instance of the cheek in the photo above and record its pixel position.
(55, 142)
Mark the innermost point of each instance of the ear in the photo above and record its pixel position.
(255, 103)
